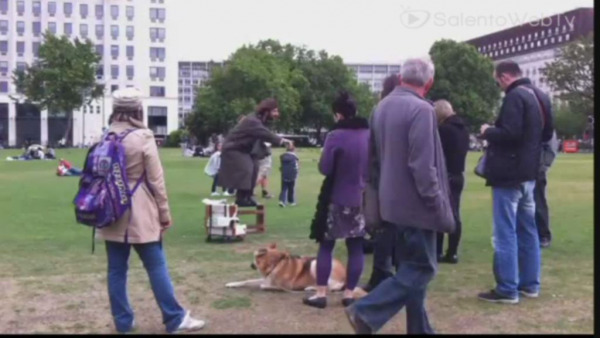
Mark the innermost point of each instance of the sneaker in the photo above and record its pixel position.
(226, 194)
(293, 204)
(281, 204)
(357, 324)
(215, 194)
(190, 324)
(494, 297)
(545, 242)
(529, 294)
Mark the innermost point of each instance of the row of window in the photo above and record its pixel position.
(67, 8)
(532, 36)
(155, 91)
(68, 29)
(528, 45)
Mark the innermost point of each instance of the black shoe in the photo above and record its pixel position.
(367, 287)
(545, 242)
(347, 301)
(494, 297)
(451, 259)
(357, 324)
(319, 302)
(440, 258)
(246, 203)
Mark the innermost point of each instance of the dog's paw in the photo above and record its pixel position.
(232, 285)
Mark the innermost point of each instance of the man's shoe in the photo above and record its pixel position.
(545, 242)
(357, 324)
(189, 324)
(226, 194)
(318, 302)
(215, 194)
(293, 204)
(451, 259)
(494, 297)
(281, 204)
(528, 294)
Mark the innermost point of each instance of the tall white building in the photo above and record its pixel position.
(373, 74)
(130, 35)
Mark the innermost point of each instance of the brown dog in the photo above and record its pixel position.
(282, 271)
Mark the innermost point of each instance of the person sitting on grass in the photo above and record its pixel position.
(289, 173)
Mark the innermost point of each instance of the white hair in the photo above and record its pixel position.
(417, 72)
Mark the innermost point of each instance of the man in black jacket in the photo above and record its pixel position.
(512, 164)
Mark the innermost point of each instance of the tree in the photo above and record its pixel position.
(568, 123)
(63, 78)
(464, 78)
(572, 74)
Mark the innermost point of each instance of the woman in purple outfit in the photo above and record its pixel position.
(338, 214)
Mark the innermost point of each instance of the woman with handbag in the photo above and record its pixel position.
(339, 214)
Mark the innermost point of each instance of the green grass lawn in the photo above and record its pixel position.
(49, 281)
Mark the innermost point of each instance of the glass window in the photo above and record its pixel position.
(52, 8)
(161, 34)
(114, 51)
(153, 14)
(21, 65)
(129, 12)
(113, 88)
(36, 8)
(4, 46)
(20, 47)
(68, 9)
(20, 7)
(114, 71)
(157, 111)
(157, 53)
(100, 50)
(68, 28)
(83, 30)
(100, 71)
(83, 10)
(37, 28)
(156, 91)
(52, 27)
(130, 52)
(157, 72)
(99, 11)
(3, 66)
(114, 31)
(35, 48)
(3, 5)
(130, 72)
(114, 11)
(99, 31)
(3, 27)
(130, 31)
(162, 13)
(20, 27)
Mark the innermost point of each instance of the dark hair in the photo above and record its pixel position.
(122, 114)
(344, 104)
(389, 84)
(266, 106)
(508, 67)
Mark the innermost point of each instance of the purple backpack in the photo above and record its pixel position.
(104, 194)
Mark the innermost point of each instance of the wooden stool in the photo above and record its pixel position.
(260, 213)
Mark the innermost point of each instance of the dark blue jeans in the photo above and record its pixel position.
(384, 254)
(417, 265)
(153, 257)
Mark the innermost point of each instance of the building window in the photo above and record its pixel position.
(20, 48)
(114, 52)
(3, 67)
(560, 38)
(35, 48)
(157, 72)
(20, 7)
(535, 35)
(113, 88)
(157, 111)
(552, 40)
(83, 30)
(68, 9)
(3, 6)
(99, 31)
(130, 52)
(37, 8)
(3, 47)
(567, 37)
(114, 31)
(99, 71)
(129, 11)
(130, 72)
(114, 72)
(539, 43)
(114, 12)
(52, 8)
(37, 28)
(97, 109)
(52, 27)
(83, 10)
(3, 27)
(21, 66)
(3, 87)
(130, 31)
(99, 11)
(100, 50)
(156, 91)
(20, 27)
(545, 42)
(157, 53)
(157, 34)
(68, 28)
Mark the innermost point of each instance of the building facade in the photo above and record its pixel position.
(129, 35)
(373, 74)
(535, 44)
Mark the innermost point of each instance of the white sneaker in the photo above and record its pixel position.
(215, 194)
(293, 204)
(281, 204)
(190, 324)
(226, 194)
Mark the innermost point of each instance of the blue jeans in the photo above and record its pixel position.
(517, 256)
(154, 260)
(287, 192)
(417, 264)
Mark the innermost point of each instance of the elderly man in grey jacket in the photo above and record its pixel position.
(409, 173)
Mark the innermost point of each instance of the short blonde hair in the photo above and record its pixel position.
(443, 110)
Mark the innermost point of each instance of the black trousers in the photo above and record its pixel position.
(384, 253)
(244, 195)
(457, 184)
(542, 215)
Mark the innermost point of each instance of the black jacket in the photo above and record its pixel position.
(513, 154)
(454, 136)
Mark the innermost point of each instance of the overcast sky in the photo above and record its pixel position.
(357, 30)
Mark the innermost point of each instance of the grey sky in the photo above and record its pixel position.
(357, 30)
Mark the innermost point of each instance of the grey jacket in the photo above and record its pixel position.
(407, 163)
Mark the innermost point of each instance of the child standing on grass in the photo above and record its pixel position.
(212, 169)
(289, 173)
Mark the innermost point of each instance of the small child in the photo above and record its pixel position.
(212, 169)
(289, 173)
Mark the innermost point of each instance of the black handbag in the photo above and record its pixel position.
(259, 150)
(480, 167)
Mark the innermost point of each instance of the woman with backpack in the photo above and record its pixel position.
(141, 226)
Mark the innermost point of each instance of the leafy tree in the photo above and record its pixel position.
(572, 74)
(63, 77)
(464, 78)
(567, 122)
(176, 137)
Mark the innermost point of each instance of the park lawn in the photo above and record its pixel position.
(50, 282)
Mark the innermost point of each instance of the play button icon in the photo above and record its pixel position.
(414, 18)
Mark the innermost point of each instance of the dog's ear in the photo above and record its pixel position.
(273, 246)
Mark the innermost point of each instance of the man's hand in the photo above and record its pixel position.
(164, 226)
(483, 128)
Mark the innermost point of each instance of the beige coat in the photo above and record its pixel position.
(149, 203)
